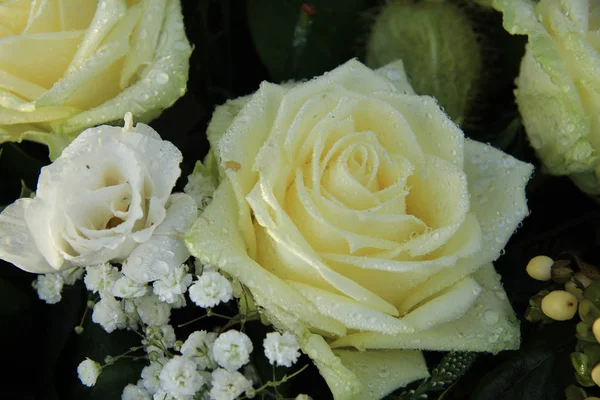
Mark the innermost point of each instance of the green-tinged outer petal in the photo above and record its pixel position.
(396, 73)
(383, 371)
(215, 238)
(490, 325)
(558, 85)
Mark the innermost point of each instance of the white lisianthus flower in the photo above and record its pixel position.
(232, 349)
(89, 371)
(135, 392)
(199, 348)
(228, 385)
(70, 65)
(360, 219)
(179, 377)
(152, 311)
(109, 314)
(49, 287)
(281, 349)
(108, 192)
(174, 283)
(210, 289)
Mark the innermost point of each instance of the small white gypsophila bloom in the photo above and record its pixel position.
(150, 375)
(101, 278)
(135, 392)
(200, 187)
(152, 311)
(232, 350)
(179, 377)
(49, 287)
(72, 275)
(199, 347)
(281, 349)
(88, 371)
(228, 385)
(109, 314)
(127, 288)
(179, 302)
(210, 289)
(165, 334)
(175, 283)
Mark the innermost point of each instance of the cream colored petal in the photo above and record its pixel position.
(43, 17)
(293, 248)
(12, 101)
(65, 90)
(162, 83)
(42, 114)
(13, 16)
(144, 39)
(351, 313)
(17, 246)
(44, 232)
(215, 238)
(239, 146)
(383, 371)
(107, 15)
(223, 117)
(434, 130)
(39, 58)
(490, 325)
(502, 179)
(19, 86)
(76, 14)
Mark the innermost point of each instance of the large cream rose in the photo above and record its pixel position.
(558, 88)
(359, 217)
(71, 64)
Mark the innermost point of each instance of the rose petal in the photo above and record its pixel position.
(490, 325)
(16, 243)
(498, 212)
(215, 238)
(383, 371)
(26, 56)
(396, 74)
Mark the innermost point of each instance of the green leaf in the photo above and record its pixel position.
(296, 40)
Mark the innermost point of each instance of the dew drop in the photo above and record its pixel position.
(536, 141)
(180, 45)
(491, 317)
(393, 75)
(161, 78)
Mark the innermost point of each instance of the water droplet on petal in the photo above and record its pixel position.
(161, 78)
(491, 317)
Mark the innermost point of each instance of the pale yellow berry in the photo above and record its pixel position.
(539, 268)
(559, 305)
(596, 374)
(572, 288)
(583, 279)
(596, 329)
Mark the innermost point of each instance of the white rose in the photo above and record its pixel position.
(108, 192)
(69, 65)
(359, 217)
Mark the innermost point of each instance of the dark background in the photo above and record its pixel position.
(237, 45)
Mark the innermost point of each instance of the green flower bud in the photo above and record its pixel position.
(558, 88)
(438, 47)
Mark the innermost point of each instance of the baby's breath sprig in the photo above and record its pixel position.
(452, 366)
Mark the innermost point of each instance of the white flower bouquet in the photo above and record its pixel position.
(310, 220)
